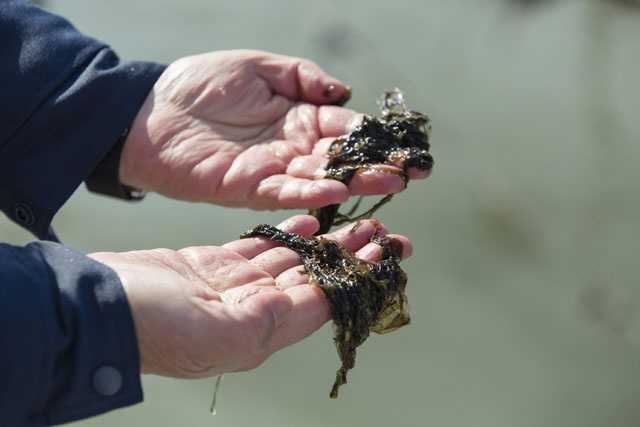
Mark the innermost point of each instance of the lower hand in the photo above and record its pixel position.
(202, 311)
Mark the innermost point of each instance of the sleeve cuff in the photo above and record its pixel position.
(73, 350)
(105, 177)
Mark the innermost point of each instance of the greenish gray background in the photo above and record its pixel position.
(524, 280)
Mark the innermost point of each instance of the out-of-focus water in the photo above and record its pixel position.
(524, 284)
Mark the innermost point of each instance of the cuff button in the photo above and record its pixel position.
(23, 214)
(107, 380)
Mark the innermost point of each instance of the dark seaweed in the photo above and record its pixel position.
(364, 296)
(400, 137)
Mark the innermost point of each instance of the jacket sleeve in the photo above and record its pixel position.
(65, 100)
(68, 348)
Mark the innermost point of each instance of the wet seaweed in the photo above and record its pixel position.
(364, 296)
(400, 137)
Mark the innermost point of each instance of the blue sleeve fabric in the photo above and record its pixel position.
(68, 348)
(65, 100)
(63, 319)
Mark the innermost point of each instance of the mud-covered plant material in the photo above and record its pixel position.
(364, 296)
(400, 137)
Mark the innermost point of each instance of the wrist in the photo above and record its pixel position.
(137, 146)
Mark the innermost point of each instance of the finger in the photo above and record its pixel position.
(377, 179)
(305, 225)
(371, 251)
(337, 121)
(310, 311)
(374, 180)
(308, 167)
(355, 236)
(415, 173)
(321, 147)
(297, 275)
(288, 192)
(277, 260)
(299, 79)
(223, 269)
(292, 277)
(383, 179)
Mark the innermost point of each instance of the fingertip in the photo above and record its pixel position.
(371, 251)
(407, 249)
(415, 173)
(304, 225)
(407, 246)
(356, 120)
(330, 92)
(299, 79)
(318, 87)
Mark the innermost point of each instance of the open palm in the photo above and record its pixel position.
(202, 311)
(243, 128)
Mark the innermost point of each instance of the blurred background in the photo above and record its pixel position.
(524, 283)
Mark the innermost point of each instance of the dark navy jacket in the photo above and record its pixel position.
(68, 348)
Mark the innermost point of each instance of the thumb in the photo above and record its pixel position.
(302, 80)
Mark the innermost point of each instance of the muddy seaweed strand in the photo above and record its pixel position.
(364, 296)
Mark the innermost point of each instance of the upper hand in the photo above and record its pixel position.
(202, 311)
(244, 128)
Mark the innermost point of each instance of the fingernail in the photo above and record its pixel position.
(346, 95)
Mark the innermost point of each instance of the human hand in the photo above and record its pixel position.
(202, 311)
(245, 128)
